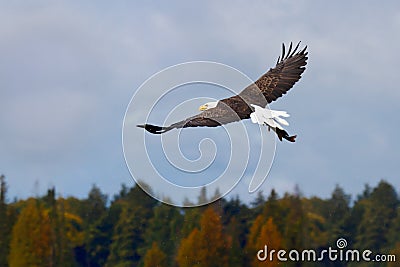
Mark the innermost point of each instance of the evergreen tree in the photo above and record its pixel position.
(95, 205)
(272, 208)
(164, 229)
(394, 231)
(237, 256)
(380, 211)
(338, 211)
(295, 232)
(5, 229)
(237, 217)
(100, 238)
(128, 235)
(258, 203)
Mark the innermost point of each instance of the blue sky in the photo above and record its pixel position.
(69, 69)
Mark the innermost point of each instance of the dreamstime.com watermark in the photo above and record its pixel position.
(329, 254)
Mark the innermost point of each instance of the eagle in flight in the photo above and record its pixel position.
(252, 101)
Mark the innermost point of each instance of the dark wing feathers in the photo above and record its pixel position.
(277, 81)
(272, 85)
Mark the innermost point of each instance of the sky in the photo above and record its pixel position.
(69, 69)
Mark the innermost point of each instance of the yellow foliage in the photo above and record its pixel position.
(206, 247)
(31, 237)
(155, 257)
(73, 228)
(263, 232)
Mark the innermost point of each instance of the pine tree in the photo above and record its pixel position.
(100, 237)
(236, 218)
(258, 203)
(128, 234)
(273, 209)
(295, 232)
(95, 205)
(380, 211)
(164, 229)
(338, 212)
(5, 229)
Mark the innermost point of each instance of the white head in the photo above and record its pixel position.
(208, 105)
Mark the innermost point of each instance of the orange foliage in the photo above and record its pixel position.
(263, 233)
(155, 257)
(207, 246)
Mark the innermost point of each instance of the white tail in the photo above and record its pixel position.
(269, 117)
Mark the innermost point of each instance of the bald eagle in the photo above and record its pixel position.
(251, 102)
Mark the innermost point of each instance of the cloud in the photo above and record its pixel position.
(69, 69)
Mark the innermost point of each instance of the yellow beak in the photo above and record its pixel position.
(203, 107)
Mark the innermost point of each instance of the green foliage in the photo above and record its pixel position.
(136, 230)
(5, 229)
(129, 232)
(378, 216)
(295, 228)
(164, 229)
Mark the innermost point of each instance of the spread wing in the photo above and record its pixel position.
(278, 80)
(272, 85)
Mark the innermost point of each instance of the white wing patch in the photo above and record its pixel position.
(272, 118)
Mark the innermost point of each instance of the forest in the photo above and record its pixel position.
(132, 229)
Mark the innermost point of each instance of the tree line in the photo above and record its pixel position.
(133, 229)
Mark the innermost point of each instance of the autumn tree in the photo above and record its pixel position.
(155, 257)
(251, 246)
(395, 251)
(207, 246)
(317, 226)
(31, 237)
(270, 236)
